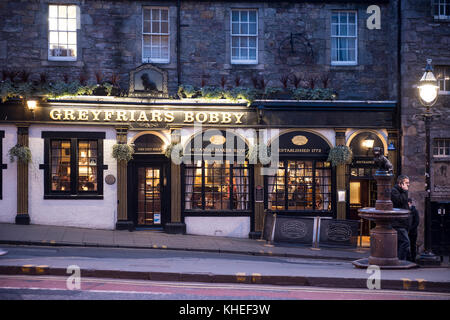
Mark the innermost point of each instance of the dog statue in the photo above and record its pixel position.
(148, 84)
(381, 161)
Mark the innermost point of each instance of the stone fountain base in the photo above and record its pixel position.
(383, 240)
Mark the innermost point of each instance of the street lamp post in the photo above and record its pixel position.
(428, 94)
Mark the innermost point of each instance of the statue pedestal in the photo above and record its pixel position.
(383, 238)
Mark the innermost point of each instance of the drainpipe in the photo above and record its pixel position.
(399, 85)
(178, 43)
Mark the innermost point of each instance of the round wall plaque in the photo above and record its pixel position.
(110, 179)
(299, 140)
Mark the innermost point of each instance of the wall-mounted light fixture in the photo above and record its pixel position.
(368, 142)
(32, 104)
(391, 147)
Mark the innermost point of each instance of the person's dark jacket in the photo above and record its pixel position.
(399, 198)
(414, 220)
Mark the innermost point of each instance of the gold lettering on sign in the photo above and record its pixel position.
(83, 115)
(55, 114)
(226, 117)
(68, 115)
(142, 116)
(71, 114)
(189, 116)
(96, 114)
(168, 116)
(121, 116)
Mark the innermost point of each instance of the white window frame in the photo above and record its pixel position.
(355, 37)
(51, 29)
(436, 145)
(243, 61)
(437, 5)
(445, 76)
(149, 59)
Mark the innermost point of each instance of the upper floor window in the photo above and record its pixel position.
(441, 147)
(244, 36)
(441, 9)
(155, 35)
(344, 38)
(62, 32)
(443, 77)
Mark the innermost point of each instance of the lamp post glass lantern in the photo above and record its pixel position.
(428, 87)
(428, 95)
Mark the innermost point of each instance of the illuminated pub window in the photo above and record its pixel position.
(62, 32)
(217, 186)
(300, 186)
(74, 165)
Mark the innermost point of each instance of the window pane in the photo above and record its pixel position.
(72, 37)
(252, 28)
(235, 16)
(87, 165)
(53, 11)
(60, 165)
(147, 28)
(235, 28)
(244, 28)
(62, 11)
(252, 16)
(146, 14)
(164, 27)
(164, 15)
(71, 12)
(352, 17)
(72, 25)
(53, 37)
(244, 16)
(155, 14)
(53, 24)
(62, 24)
(62, 37)
(252, 42)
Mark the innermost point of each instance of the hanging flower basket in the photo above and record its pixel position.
(340, 155)
(176, 148)
(123, 151)
(21, 153)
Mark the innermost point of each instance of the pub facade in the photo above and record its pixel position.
(158, 68)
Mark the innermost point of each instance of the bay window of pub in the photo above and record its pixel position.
(301, 186)
(217, 186)
(74, 167)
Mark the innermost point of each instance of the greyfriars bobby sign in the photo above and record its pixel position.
(148, 81)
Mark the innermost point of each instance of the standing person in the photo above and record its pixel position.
(399, 197)
(414, 223)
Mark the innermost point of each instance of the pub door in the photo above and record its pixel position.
(363, 193)
(148, 193)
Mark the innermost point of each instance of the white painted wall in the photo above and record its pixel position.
(96, 214)
(234, 227)
(8, 203)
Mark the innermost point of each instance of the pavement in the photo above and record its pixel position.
(294, 264)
